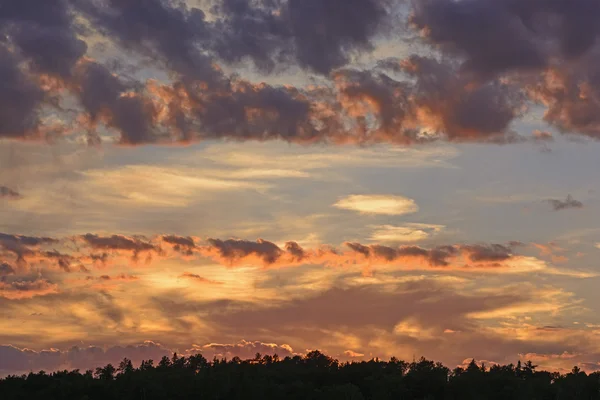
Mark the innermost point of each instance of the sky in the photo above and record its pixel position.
(370, 178)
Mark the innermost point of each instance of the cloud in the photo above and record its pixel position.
(107, 99)
(490, 61)
(5, 270)
(378, 204)
(15, 360)
(233, 249)
(8, 193)
(566, 204)
(23, 289)
(137, 185)
(411, 232)
(478, 257)
(413, 317)
(20, 100)
(353, 354)
(198, 279)
(506, 43)
(120, 277)
(21, 246)
(118, 242)
(494, 252)
(181, 244)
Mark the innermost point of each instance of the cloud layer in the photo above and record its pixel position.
(487, 75)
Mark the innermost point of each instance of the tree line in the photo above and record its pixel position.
(313, 376)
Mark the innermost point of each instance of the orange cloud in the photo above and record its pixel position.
(22, 289)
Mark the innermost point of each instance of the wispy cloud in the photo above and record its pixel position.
(378, 204)
(568, 203)
(410, 232)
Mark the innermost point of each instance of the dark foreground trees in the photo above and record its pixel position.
(315, 376)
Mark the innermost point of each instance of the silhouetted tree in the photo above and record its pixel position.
(315, 376)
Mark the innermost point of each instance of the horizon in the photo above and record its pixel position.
(371, 178)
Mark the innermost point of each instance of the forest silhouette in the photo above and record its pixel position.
(314, 376)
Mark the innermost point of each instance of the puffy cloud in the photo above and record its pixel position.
(473, 91)
(119, 243)
(181, 244)
(478, 257)
(233, 249)
(20, 99)
(438, 256)
(45, 35)
(570, 92)
(566, 204)
(516, 36)
(493, 252)
(378, 204)
(21, 246)
(460, 108)
(327, 31)
(505, 43)
(108, 99)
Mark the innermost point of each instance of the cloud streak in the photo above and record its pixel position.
(568, 203)
(378, 204)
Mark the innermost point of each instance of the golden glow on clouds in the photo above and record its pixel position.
(266, 191)
(410, 327)
(378, 204)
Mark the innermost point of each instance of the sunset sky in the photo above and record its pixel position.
(370, 178)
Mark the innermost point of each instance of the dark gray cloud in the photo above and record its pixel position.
(495, 36)
(490, 36)
(182, 244)
(244, 31)
(319, 35)
(5, 271)
(20, 99)
(233, 249)
(492, 56)
(437, 256)
(491, 252)
(44, 34)
(165, 31)
(464, 109)
(326, 32)
(110, 100)
(21, 246)
(135, 245)
(568, 203)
